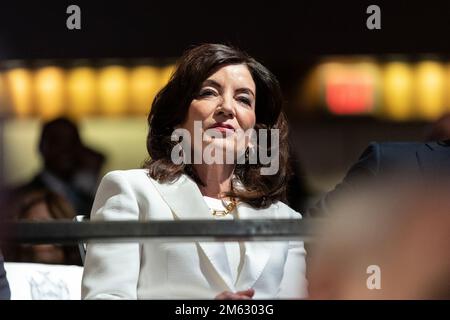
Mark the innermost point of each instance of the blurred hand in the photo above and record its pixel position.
(239, 295)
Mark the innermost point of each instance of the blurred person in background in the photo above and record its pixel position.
(42, 206)
(86, 177)
(439, 130)
(376, 167)
(225, 91)
(384, 241)
(298, 191)
(381, 160)
(70, 169)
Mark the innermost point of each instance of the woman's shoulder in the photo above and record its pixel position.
(284, 211)
(129, 174)
(277, 210)
(133, 177)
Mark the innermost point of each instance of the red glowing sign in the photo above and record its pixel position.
(349, 92)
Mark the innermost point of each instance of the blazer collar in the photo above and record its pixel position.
(434, 158)
(186, 202)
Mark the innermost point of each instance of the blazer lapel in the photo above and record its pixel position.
(257, 253)
(184, 198)
(186, 201)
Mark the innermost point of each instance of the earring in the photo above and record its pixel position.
(264, 201)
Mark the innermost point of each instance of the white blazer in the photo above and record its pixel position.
(187, 270)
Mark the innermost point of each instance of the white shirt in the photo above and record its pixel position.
(233, 248)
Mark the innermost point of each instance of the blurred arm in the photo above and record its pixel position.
(111, 270)
(367, 166)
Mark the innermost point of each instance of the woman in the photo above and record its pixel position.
(217, 91)
(44, 206)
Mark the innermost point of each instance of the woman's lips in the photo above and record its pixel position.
(223, 127)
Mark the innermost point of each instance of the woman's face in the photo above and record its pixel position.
(43, 253)
(224, 107)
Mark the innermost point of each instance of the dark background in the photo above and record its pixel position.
(286, 36)
(277, 30)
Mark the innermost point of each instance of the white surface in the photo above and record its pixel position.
(34, 281)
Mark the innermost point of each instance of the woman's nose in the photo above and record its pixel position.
(226, 107)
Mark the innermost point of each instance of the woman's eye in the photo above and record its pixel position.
(245, 100)
(207, 93)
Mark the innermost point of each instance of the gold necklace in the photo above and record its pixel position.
(228, 208)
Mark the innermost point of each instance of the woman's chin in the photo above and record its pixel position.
(227, 151)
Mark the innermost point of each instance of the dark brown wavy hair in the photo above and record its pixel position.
(170, 108)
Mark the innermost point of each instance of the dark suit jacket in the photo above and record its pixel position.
(80, 201)
(5, 294)
(385, 159)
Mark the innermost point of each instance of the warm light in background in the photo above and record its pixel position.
(447, 88)
(397, 91)
(50, 92)
(113, 90)
(81, 92)
(166, 72)
(309, 95)
(3, 96)
(19, 82)
(145, 82)
(430, 90)
(342, 86)
(349, 88)
(372, 80)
